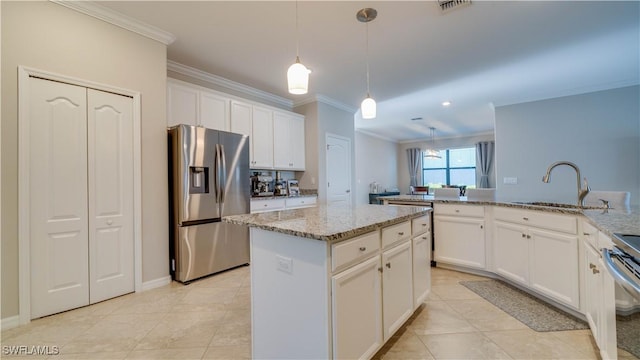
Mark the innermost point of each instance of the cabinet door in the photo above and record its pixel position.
(282, 141)
(214, 111)
(397, 287)
(554, 265)
(511, 251)
(460, 241)
(262, 138)
(421, 268)
(182, 104)
(357, 311)
(241, 115)
(593, 290)
(296, 135)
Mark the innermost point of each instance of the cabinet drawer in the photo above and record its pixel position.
(458, 210)
(394, 233)
(267, 205)
(350, 251)
(420, 225)
(300, 202)
(590, 234)
(540, 219)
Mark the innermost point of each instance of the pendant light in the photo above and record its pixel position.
(368, 106)
(298, 74)
(432, 153)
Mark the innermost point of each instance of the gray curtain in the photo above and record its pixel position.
(414, 156)
(484, 157)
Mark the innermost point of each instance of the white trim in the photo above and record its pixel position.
(486, 133)
(156, 283)
(118, 19)
(228, 84)
(24, 268)
(368, 133)
(326, 100)
(10, 322)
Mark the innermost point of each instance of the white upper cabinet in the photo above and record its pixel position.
(182, 103)
(288, 141)
(214, 111)
(193, 105)
(277, 136)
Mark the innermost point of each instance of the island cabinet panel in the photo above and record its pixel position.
(290, 296)
(460, 241)
(357, 311)
(421, 268)
(511, 251)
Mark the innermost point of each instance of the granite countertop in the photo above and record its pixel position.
(609, 221)
(329, 222)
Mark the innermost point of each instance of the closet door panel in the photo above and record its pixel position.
(111, 242)
(58, 197)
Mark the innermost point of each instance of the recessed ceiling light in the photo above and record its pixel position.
(446, 103)
(416, 118)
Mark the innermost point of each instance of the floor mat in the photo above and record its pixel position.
(529, 310)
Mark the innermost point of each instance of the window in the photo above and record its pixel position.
(456, 167)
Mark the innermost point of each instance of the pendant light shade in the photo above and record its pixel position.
(432, 153)
(368, 106)
(298, 78)
(298, 74)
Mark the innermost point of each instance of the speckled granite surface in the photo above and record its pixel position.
(282, 197)
(607, 220)
(329, 223)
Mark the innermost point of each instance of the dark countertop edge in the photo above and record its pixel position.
(282, 197)
(340, 236)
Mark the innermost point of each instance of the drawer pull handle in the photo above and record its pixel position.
(265, 205)
(425, 238)
(380, 269)
(585, 234)
(591, 266)
(528, 236)
(424, 225)
(481, 226)
(362, 248)
(525, 218)
(595, 271)
(388, 265)
(524, 235)
(457, 210)
(401, 233)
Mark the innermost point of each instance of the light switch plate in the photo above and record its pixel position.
(510, 180)
(284, 264)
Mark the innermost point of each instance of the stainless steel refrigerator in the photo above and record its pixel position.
(208, 179)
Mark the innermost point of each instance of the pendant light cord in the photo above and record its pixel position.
(367, 55)
(297, 46)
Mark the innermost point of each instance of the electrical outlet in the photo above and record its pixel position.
(284, 264)
(510, 180)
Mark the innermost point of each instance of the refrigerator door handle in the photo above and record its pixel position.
(223, 173)
(217, 174)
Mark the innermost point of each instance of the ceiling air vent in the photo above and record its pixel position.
(449, 5)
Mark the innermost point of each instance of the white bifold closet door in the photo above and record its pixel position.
(81, 196)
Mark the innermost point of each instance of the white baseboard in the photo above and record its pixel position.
(10, 322)
(156, 283)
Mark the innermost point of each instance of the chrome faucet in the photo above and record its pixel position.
(582, 191)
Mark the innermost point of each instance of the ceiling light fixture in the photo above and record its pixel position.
(368, 106)
(446, 103)
(298, 74)
(432, 153)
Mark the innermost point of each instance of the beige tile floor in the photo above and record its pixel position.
(210, 319)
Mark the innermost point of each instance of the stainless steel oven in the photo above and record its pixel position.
(623, 262)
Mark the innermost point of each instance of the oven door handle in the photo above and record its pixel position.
(620, 276)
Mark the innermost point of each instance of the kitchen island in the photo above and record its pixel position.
(317, 278)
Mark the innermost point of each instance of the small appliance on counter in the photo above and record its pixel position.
(261, 185)
(280, 187)
(292, 186)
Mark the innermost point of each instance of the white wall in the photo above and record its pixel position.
(51, 37)
(404, 180)
(376, 160)
(598, 131)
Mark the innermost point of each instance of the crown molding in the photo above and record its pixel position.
(325, 100)
(365, 132)
(118, 19)
(228, 84)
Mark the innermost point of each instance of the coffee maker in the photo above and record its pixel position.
(261, 185)
(280, 188)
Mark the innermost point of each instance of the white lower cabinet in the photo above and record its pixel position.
(459, 235)
(544, 260)
(421, 268)
(397, 290)
(600, 300)
(357, 311)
